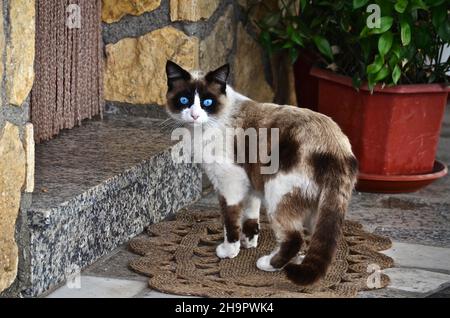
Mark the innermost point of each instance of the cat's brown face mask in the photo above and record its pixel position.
(195, 99)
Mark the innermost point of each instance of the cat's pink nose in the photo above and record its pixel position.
(195, 116)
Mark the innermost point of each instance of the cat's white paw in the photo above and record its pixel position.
(247, 243)
(228, 250)
(263, 264)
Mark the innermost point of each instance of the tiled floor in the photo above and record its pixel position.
(418, 223)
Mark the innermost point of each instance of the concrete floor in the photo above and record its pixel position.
(418, 224)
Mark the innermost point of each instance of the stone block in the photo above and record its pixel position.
(20, 51)
(12, 176)
(135, 67)
(192, 10)
(114, 10)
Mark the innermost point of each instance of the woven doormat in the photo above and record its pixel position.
(179, 257)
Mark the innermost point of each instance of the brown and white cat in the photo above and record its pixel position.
(310, 191)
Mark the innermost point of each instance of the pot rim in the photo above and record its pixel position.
(440, 169)
(398, 89)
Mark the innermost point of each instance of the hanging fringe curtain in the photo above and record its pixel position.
(68, 84)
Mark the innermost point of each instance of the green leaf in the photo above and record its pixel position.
(376, 66)
(382, 74)
(439, 15)
(365, 48)
(359, 3)
(265, 40)
(432, 78)
(324, 46)
(316, 22)
(293, 54)
(396, 49)
(414, 14)
(303, 4)
(290, 30)
(356, 81)
(418, 4)
(303, 30)
(405, 32)
(371, 82)
(386, 6)
(364, 32)
(393, 60)
(338, 5)
(385, 42)
(396, 73)
(400, 5)
(408, 52)
(296, 38)
(423, 38)
(434, 3)
(444, 31)
(385, 24)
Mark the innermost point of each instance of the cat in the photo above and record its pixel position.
(309, 193)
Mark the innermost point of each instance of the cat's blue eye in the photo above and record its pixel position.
(184, 100)
(207, 102)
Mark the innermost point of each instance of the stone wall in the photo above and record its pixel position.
(16, 134)
(140, 36)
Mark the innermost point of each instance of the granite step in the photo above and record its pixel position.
(97, 186)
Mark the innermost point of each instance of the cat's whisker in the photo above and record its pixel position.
(165, 121)
(214, 123)
(170, 124)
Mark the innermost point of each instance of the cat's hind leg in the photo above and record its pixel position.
(287, 224)
(288, 248)
(250, 221)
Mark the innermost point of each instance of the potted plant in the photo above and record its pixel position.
(381, 76)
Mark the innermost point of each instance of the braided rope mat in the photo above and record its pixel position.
(179, 257)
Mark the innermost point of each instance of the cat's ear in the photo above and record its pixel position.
(175, 72)
(219, 75)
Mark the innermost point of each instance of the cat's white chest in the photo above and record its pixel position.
(228, 178)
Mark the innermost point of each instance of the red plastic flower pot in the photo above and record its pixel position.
(306, 85)
(394, 131)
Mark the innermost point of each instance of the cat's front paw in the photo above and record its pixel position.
(263, 264)
(228, 250)
(249, 243)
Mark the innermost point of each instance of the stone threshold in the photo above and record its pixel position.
(97, 186)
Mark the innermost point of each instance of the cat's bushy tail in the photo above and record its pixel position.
(333, 203)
